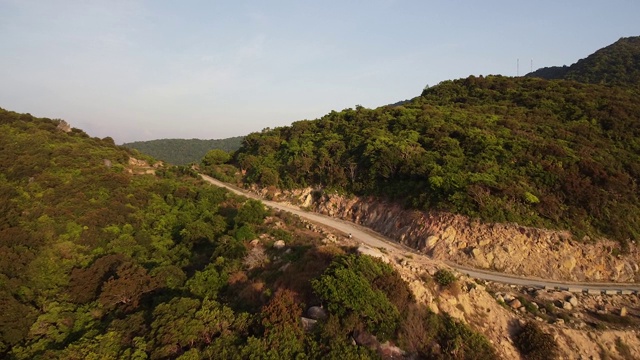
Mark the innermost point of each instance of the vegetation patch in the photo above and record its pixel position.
(535, 344)
(444, 277)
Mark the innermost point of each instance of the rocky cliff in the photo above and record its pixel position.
(509, 248)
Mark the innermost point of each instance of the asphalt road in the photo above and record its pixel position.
(376, 240)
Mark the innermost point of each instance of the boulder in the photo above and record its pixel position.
(317, 313)
(573, 301)
(480, 259)
(308, 324)
(567, 306)
(364, 338)
(535, 305)
(623, 311)
(515, 304)
(279, 244)
(431, 242)
(367, 250)
(390, 351)
(568, 264)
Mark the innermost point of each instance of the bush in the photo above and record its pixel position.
(251, 212)
(347, 289)
(444, 277)
(460, 342)
(535, 344)
(216, 157)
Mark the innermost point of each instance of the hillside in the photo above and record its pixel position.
(101, 260)
(553, 154)
(183, 151)
(616, 64)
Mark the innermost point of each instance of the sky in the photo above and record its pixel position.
(152, 69)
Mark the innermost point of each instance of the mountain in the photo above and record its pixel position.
(184, 151)
(616, 64)
(551, 154)
(105, 257)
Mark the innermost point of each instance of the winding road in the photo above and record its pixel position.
(377, 241)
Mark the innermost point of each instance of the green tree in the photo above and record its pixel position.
(346, 289)
(216, 157)
(252, 212)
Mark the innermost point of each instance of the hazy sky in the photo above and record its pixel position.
(140, 70)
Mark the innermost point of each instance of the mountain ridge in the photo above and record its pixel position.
(184, 151)
(616, 64)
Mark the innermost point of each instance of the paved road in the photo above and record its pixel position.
(376, 240)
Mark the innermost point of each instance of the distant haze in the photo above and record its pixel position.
(140, 70)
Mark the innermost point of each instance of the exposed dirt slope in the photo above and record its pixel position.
(507, 248)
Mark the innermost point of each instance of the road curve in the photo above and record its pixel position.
(376, 240)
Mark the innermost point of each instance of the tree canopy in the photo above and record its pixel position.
(184, 151)
(101, 263)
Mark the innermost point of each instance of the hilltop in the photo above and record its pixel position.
(184, 151)
(617, 64)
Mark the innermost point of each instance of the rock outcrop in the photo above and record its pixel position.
(64, 126)
(509, 248)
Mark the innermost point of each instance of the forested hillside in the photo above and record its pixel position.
(99, 263)
(184, 151)
(556, 154)
(616, 64)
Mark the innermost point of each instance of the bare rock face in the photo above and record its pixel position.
(567, 306)
(64, 126)
(623, 311)
(367, 250)
(509, 248)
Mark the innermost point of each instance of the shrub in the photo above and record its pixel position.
(346, 287)
(215, 157)
(460, 342)
(251, 212)
(444, 277)
(535, 344)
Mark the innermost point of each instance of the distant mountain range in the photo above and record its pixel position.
(616, 64)
(184, 151)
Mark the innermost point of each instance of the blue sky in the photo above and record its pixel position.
(140, 70)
